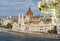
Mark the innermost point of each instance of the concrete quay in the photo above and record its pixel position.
(31, 34)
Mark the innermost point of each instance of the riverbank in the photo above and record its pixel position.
(31, 34)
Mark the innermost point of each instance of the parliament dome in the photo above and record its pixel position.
(29, 13)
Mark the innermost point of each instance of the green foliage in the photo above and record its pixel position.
(54, 4)
(9, 26)
(59, 16)
(5, 26)
(0, 25)
(44, 6)
(52, 31)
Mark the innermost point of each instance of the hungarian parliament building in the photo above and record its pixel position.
(32, 23)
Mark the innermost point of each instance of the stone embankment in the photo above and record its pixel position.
(31, 34)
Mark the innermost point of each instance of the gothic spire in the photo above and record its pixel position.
(29, 7)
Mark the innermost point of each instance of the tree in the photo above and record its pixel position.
(9, 25)
(0, 24)
(53, 31)
(58, 9)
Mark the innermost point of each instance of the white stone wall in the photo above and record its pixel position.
(15, 27)
(23, 28)
(58, 28)
(37, 28)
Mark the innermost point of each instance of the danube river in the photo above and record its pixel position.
(11, 37)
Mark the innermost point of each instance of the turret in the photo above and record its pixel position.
(19, 18)
(22, 20)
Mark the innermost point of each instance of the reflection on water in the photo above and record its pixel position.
(10, 37)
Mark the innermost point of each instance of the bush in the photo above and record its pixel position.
(5, 26)
(52, 31)
(9, 25)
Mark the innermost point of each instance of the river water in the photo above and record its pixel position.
(10, 37)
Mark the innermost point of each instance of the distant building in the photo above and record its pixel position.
(6, 21)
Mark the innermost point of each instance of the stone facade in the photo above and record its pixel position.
(33, 23)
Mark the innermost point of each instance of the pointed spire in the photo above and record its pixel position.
(29, 7)
(41, 22)
(19, 18)
(22, 16)
(10, 17)
(22, 21)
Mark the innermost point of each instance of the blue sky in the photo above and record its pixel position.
(14, 7)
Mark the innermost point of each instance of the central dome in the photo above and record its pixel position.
(29, 13)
